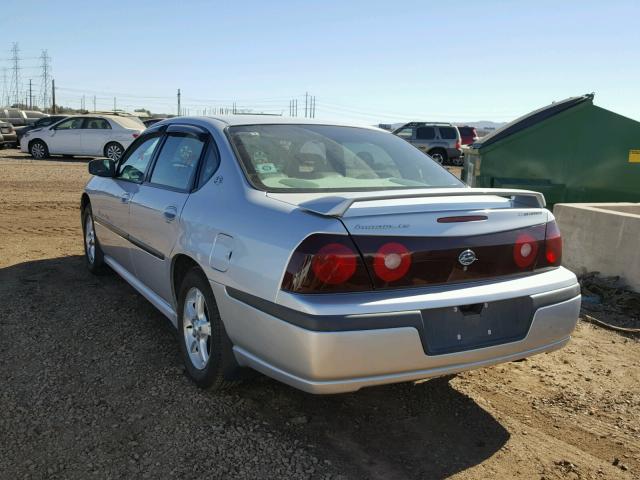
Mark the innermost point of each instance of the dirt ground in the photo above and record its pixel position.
(91, 386)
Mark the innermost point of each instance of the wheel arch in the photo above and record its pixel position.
(180, 265)
(36, 139)
(84, 201)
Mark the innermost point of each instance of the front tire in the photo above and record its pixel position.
(93, 255)
(113, 151)
(204, 345)
(439, 156)
(38, 150)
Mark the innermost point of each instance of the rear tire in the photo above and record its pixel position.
(38, 149)
(204, 345)
(93, 255)
(113, 151)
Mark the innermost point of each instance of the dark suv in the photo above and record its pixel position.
(441, 141)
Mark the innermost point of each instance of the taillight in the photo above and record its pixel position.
(525, 250)
(458, 144)
(135, 135)
(334, 264)
(326, 263)
(553, 244)
(391, 262)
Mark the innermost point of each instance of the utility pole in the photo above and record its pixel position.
(94, 103)
(295, 109)
(178, 102)
(30, 96)
(53, 96)
(114, 104)
(306, 103)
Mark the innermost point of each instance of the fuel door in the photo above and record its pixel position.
(221, 252)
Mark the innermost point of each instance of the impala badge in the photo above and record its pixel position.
(467, 257)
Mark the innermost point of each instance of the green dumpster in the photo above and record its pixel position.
(571, 151)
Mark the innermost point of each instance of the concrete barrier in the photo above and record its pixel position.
(601, 237)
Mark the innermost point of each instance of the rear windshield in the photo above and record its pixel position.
(308, 158)
(129, 122)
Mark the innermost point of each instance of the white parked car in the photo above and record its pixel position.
(91, 135)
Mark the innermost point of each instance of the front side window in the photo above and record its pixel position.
(135, 163)
(448, 133)
(97, 124)
(177, 162)
(308, 158)
(71, 124)
(405, 133)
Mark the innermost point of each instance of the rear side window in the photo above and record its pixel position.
(448, 133)
(211, 162)
(177, 162)
(426, 133)
(97, 124)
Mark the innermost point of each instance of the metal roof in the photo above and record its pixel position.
(531, 119)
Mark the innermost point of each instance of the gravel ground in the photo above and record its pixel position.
(92, 386)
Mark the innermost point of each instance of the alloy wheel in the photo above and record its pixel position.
(90, 239)
(38, 150)
(114, 152)
(196, 328)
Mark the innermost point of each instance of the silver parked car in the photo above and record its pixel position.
(441, 141)
(328, 257)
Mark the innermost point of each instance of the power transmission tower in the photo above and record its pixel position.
(45, 65)
(15, 74)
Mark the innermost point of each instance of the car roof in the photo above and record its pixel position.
(222, 121)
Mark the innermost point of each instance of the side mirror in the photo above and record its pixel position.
(102, 167)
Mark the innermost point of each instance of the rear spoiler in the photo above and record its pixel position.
(336, 206)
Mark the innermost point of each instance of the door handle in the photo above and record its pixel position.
(170, 213)
(125, 197)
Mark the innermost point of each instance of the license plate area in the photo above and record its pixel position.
(471, 326)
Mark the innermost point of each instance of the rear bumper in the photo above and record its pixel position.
(454, 153)
(381, 348)
(10, 138)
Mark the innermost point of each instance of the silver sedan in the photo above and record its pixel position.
(330, 257)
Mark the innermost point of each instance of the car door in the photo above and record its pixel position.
(156, 207)
(64, 138)
(425, 138)
(95, 132)
(111, 197)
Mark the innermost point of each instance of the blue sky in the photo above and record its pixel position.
(373, 61)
